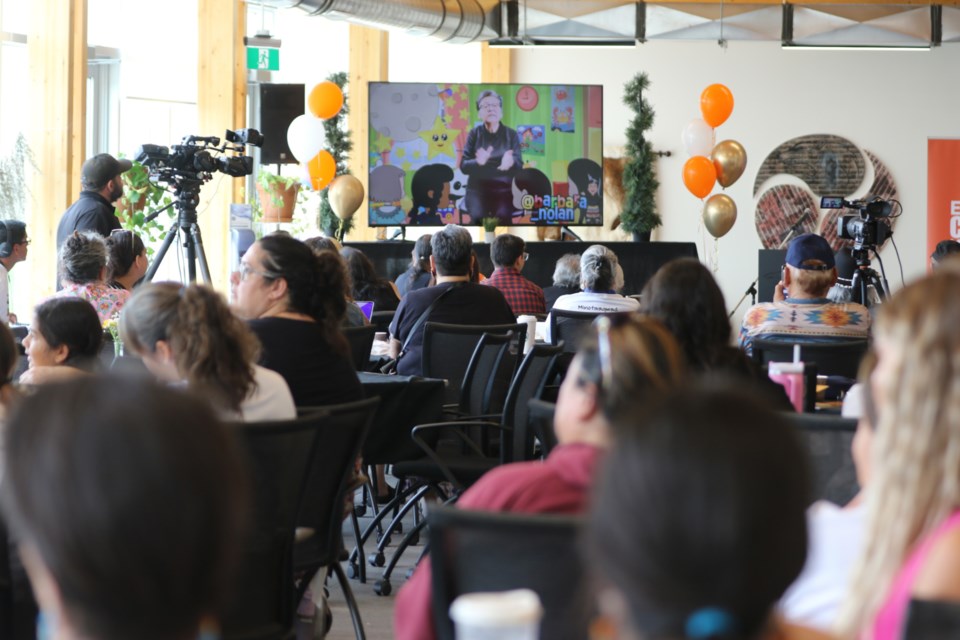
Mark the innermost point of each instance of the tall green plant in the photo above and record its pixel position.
(639, 177)
(339, 145)
(141, 197)
(13, 180)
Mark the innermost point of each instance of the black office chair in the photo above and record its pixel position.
(263, 601)
(329, 493)
(537, 368)
(361, 343)
(474, 551)
(840, 357)
(488, 376)
(828, 439)
(447, 349)
(568, 327)
(541, 422)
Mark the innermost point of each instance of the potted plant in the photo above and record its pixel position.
(489, 226)
(141, 197)
(13, 180)
(278, 196)
(639, 214)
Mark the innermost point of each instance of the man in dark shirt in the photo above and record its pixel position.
(93, 210)
(466, 303)
(507, 252)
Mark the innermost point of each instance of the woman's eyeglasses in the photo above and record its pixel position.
(604, 325)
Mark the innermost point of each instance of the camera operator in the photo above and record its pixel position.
(800, 311)
(93, 210)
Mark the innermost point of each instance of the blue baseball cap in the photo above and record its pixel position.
(810, 246)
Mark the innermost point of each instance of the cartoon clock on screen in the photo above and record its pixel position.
(527, 98)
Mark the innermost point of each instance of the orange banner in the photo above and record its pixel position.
(943, 191)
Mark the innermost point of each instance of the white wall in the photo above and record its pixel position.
(886, 102)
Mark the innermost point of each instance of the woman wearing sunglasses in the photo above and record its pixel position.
(126, 259)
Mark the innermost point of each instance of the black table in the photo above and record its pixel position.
(405, 401)
(640, 260)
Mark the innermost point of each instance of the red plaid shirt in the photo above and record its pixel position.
(524, 297)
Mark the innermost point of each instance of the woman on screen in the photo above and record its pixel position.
(430, 189)
(491, 157)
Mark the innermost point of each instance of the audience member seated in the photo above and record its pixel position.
(417, 276)
(616, 367)
(836, 533)
(508, 254)
(126, 259)
(188, 335)
(366, 284)
(128, 502)
(697, 523)
(455, 300)
(354, 316)
(64, 341)
(82, 264)
(911, 549)
(566, 279)
(8, 364)
(294, 300)
(13, 250)
(685, 297)
(598, 281)
(945, 250)
(800, 311)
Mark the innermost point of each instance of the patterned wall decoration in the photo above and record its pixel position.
(827, 165)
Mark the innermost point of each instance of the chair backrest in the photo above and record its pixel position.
(828, 439)
(405, 401)
(840, 357)
(279, 456)
(568, 326)
(382, 319)
(361, 343)
(534, 371)
(541, 422)
(447, 349)
(488, 376)
(339, 437)
(474, 551)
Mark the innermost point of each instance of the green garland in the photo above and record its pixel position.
(639, 178)
(339, 145)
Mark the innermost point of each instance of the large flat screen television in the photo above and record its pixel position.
(527, 154)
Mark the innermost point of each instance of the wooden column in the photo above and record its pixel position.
(369, 50)
(221, 105)
(495, 63)
(57, 48)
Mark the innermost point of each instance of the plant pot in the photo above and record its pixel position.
(641, 236)
(489, 236)
(278, 202)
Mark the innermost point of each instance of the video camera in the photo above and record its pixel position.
(196, 158)
(866, 229)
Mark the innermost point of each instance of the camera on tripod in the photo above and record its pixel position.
(199, 157)
(867, 228)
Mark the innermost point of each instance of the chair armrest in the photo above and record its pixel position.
(457, 428)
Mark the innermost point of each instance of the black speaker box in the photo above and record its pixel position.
(768, 268)
(279, 105)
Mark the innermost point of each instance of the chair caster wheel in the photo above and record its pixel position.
(382, 587)
(376, 559)
(360, 510)
(415, 538)
(386, 543)
(352, 570)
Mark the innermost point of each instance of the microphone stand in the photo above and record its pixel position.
(752, 289)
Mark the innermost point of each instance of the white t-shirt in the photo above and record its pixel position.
(271, 400)
(591, 302)
(836, 539)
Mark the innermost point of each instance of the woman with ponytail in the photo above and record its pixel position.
(188, 335)
(295, 301)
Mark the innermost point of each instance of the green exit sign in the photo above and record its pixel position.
(263, 58)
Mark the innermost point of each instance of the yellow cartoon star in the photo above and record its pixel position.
(439, 139)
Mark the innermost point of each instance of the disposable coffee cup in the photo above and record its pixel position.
(531, 322)
(508, 615)
(380, 336)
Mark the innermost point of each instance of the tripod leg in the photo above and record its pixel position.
(171, 236)
(201, 255)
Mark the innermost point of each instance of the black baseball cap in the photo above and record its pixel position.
(101, 169)
(810, 246)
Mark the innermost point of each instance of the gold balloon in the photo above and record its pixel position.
(730, 159)
(719, 214)
(346, 195)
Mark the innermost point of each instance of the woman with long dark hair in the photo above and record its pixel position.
(367, 283)
(418, 275)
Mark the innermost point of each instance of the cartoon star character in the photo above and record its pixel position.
(440, 139)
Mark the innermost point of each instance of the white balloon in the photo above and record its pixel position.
(698, 138)
(306, 137)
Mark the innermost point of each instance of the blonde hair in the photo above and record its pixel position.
(212, 349)
(916, 482)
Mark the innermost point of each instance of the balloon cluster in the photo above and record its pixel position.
(306, 139)
(712, 162)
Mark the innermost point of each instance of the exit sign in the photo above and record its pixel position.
(263, 58)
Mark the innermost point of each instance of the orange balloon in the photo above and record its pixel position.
(699, 175)
(716, 104)
(325, 100)
(323, 168)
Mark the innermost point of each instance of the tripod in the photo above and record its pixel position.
(864, 277)
(187, 197)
